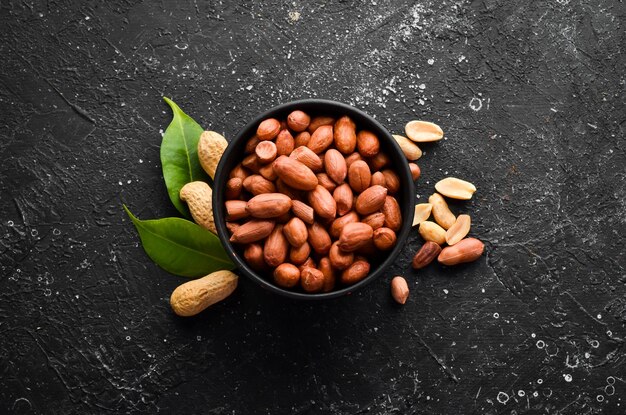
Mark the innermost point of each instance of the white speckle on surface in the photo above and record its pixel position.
(294, 16)
(120, 183)
(431, 61)
(422, 86)
(600, 398)
(533, 335)
(198, 338)
(609, 390)
(140, 161)
(249, 87)
(539, 381)
(541, 344)
(521, 393)
(161, 132)
(476, 104)
(599, 316)
(496, 315)
(127, 337)
(567, 377)
(462, 58)
(610, 380)
(535, 394)
(482, 290)
(445, 291)
(10, 223)
(181, 46)
(503, 398)
(594, 343)
(587, 355)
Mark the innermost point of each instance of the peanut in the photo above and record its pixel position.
(399, 289)
(359, 176)
(384, 238)
(211, 146)
(458, 230)
(371, 200)
(268, 129)
(287, 275)
(427, 253)
(355, 272)
(455, 188)
(268, 205)
(416, 172)
(311, 280)
(343, 197)
(467, 250)
(422, 213)
(252, 231)
(409, 148)
(284, 143)
(295, 231)
(430, 231)
(265, 152)
(423, 131)
(299, 255)
(345, 135)
(276, 247)
(254, 257)
(233, 188)
(393, 216)
(298, 121)
(355, 235)
(195, 296)
(198, 196)
(441, 212)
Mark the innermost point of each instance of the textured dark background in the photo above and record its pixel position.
(531, 97)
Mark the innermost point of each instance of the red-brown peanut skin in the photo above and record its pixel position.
(335, 166)
(319, 238)
(426, 254)
(268, 129)
(319, 121)
(276, 247)
(330, 276)
(384, 238)
(355, 235)
(321, 139)
(287, 275)
(339, 259)
(367, 143)
(254, 257)
(294, 174)
(295, 231)
(298, 120)
(345, 135)
(322, 202)
(302, 139)
(299, 255)
(416, 172)
(393, 216)
(311, 280)
(355, 272)
(339, 223)
(468, 250)
(359, 176)
(344, 198)
(285, 143)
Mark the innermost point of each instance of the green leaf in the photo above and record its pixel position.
(179, 155)
(181, 247)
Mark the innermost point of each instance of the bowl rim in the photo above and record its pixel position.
(221, 177)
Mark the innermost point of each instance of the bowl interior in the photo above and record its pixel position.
(235, 153)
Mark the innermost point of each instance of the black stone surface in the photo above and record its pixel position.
(531, 96)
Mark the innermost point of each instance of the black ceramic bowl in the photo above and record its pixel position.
(235, 153)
